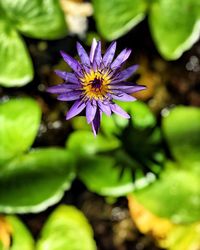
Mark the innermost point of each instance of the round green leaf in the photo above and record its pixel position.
(175, 26)
(21, 237)
(84, 142)
(67, 228)
(36, 18)
(19, 122)
(32, 182)
(16, 66)
(114, 18)
(175, 195)
(182, 132)
(101, 175)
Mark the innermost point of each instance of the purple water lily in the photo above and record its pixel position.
(97, 80)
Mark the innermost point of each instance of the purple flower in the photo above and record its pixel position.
(97, 80)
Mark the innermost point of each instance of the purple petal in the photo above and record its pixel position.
(94, 65)
(93, 48)
(91, 109)
(97, 54)
(125, 74)
(70, 96)
(123, 97)
(73, 64)
(134, 89)
(122, 57)
(68, 77)
(105, 108)
(109, 55)
(127, 87)
(119, 111)
(82, 54)
(96, 122)
(62, 88)
(76, 108)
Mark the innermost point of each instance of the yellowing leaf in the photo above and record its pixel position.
(166, 234)
(5, 232)
(147, 222)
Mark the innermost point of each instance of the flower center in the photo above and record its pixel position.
(95, 85)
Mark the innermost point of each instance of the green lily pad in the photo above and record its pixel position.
(39, 19)
(116, 17)
(21, 237)
(175, 195)
(16, 66)
(101, 175)
(19, 123)
(182, 132)
(32, 182)
(67, 228)
(175, 26)
(84, 142)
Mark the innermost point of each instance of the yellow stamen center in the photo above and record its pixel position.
(95, 84)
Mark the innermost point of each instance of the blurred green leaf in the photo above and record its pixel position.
(32, 182)
(39, 19)
(113, 125)
(16, 66)
(101, 175)
(19, 123)
(116, 17)
(175, 26)
(182, 131)
(21, 237)
(175, 195)
(141, 115)
(67, 228)
(84, 142)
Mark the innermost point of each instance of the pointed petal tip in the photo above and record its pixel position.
(62, 53)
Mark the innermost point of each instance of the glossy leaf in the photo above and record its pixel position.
(67, 228)
(175, 26)
(103, 176)
(16, 66)
(175, 195)
(182, 132)
(21, 237)
(32, 182)
(19, 123)
(114, 18)
(36, 18)
(84, 142)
